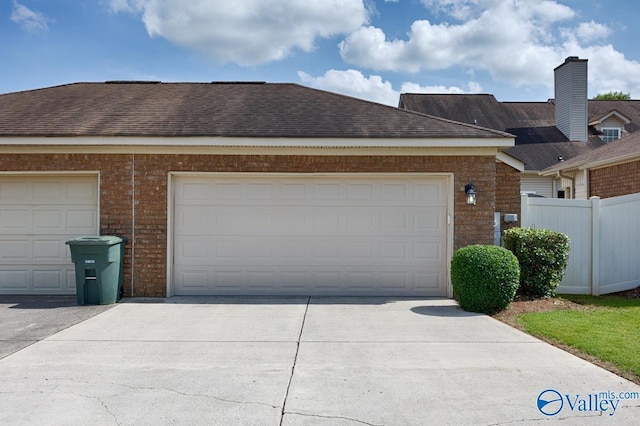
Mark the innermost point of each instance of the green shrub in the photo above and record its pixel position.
(484, 278)
(543, 257)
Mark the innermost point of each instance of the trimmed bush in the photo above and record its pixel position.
(484, 278)
(542, 255)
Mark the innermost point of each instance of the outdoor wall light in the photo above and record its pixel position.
(471, 194)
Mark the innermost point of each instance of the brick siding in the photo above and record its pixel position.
(140, 180)
(508, 196)
(615, 181)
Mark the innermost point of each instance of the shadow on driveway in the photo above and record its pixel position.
(28, 319)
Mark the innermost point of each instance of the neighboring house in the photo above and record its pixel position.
(243, 188)
(609, 171)
(546, 132)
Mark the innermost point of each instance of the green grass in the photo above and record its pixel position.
(608, 328)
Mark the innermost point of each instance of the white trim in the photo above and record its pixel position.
(450, 208)
(189, 150)
(510, 161)
(50, 172)
(611, 162)
(617, 129)
(196, 141)
(610, 114)
(170, 209)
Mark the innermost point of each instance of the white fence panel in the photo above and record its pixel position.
(604, 236)
(572, 217)
(619, 258)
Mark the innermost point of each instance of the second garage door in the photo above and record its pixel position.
(37, 215)
(315, 235)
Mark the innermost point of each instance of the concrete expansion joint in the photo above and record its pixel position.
(295, 360)
(335, 418)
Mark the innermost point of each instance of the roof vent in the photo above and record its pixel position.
(238, 82)
(131, 82)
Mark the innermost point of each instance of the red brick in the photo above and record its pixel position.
(133, 194)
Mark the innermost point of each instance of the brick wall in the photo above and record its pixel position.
(615, 181)
(508, 194)
(141, 181)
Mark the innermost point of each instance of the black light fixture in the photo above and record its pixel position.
(471, 194)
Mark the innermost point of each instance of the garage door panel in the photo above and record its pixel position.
(37, 215)
(81, 222)
(289, 251)
(309, 235)
(48, 279)
(14, 220)
(40, 279)
(14, 280)
(314, 220)
(330, 281)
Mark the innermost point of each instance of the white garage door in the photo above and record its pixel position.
(295, 235)
(37, 215)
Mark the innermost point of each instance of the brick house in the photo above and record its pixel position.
(562, 128)
(609, 171)
(243, 188)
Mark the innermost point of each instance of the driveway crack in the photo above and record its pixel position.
(334, 417)
(295, 360)
(175, 391)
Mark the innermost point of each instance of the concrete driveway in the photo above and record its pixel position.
(25, 320)
(300, 361)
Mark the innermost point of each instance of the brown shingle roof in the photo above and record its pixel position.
(214, 109)
(538, 142)
(532, 123)
(627, 148)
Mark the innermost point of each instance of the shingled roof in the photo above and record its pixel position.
(625, 149)
(262, 110)
(539, 143)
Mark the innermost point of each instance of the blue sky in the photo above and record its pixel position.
(373, 49)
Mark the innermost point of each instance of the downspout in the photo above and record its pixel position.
(573, 183)
(133, 221)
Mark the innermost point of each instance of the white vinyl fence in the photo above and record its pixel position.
(604, 237)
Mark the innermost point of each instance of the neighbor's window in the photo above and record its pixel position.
(610, 134)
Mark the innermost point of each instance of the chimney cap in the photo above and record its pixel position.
(570, 59)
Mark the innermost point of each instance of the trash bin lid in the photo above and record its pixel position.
(95, 240)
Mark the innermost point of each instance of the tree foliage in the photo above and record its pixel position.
(543, 256)
(613, 96)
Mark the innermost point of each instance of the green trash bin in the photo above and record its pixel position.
(99, 268)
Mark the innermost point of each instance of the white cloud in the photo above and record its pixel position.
(30, 20)
(472, 87)
(374, 88)
(354, 83)
(586, 32)
(511, 40)
(250, 32)
(609, 70)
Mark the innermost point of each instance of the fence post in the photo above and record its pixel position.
(524, 210)
(595, 246)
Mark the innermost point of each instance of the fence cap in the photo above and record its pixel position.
(95, 240)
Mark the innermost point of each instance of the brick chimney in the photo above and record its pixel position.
(571, 98)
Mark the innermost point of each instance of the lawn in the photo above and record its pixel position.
(606, 327)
